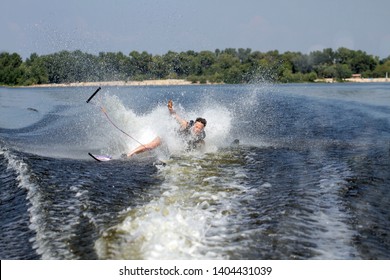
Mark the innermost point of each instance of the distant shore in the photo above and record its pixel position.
(180, 82)
(168, 82)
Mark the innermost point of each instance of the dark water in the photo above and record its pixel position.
(310, 178)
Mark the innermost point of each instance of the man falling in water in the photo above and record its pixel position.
(192, 132)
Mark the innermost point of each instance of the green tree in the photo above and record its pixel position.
(141, 64)
(10, 68)
(325, 57)
(181, 64)
(382, 69)
(343, 56)
(159, 69)
(35, 71)
(243, 55)
(342, 71)
(114, 66)
(233, 75)
(361, 62)
(301, 63)
(227, 60)
(205, 60)
(229, 65)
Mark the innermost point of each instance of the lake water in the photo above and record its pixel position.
(309, 179)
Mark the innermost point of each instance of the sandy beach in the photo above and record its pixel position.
(368, 80)
(356, 80)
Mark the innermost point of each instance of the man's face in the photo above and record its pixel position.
(198, 128)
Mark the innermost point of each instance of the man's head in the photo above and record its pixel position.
(200, 124)
(201, 120)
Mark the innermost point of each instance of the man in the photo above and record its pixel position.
(191, 132)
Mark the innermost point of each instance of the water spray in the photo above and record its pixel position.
(109, 119)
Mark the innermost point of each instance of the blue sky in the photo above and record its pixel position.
(157, 26)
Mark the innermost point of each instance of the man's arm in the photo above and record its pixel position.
(183, 123)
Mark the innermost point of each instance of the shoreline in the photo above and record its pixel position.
(354, 80)
(181, 82)
(168, 82)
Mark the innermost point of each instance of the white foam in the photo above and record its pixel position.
(40, 243)
(48, 243)
(189, 220)
(334, 236)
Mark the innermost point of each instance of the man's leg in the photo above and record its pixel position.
(150, 146)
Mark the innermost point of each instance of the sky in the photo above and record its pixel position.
(158, 26)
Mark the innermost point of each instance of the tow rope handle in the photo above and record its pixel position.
(96, 91)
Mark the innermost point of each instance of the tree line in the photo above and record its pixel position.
(230, 66)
